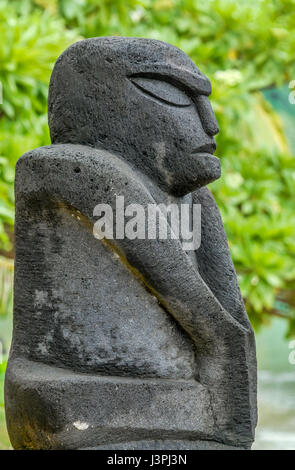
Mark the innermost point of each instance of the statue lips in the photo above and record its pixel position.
(208, 164)
(206, 155)
(209, 149)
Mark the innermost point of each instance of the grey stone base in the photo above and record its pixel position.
(54, 408)
(167, 445)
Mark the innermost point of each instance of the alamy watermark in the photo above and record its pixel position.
(155, 221)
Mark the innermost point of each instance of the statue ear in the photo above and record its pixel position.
(162, 91)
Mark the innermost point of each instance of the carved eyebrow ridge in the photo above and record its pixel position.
(196, 83)
(154, 95)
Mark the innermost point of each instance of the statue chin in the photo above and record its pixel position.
(200, 170)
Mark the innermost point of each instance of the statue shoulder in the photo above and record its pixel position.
(66, 169)
(61, 156)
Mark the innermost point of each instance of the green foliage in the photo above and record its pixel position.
(2, 371)
(243, 47)
(4, 439)
(30, 42)
(6, 278)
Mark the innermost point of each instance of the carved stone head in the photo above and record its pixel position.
(142, 99)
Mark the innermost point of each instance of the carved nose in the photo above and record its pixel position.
(207, 115)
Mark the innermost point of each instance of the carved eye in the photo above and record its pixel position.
(162, 91)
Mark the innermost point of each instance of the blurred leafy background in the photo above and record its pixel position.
(247, 50)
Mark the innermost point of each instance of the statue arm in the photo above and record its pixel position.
(81, 177)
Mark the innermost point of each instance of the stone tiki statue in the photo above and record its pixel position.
(125, 343)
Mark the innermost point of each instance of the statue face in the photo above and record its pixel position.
(142, 99)
(169, 131)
